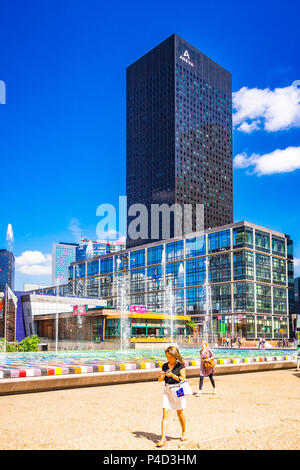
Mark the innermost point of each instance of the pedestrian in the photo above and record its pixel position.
(172, 373)
(239, 342)
(227, 342)
(207, 367)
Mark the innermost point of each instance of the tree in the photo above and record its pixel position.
(191, 325)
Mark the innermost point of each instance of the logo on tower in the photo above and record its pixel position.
(186, 58)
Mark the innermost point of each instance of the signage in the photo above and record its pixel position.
(79, 310)
(186, 58)
(137, 308)
(281, 330)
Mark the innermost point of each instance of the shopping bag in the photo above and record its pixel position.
(185, 386)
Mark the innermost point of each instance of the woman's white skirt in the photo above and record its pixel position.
(170, 399)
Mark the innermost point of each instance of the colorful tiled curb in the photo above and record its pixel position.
(48, 371)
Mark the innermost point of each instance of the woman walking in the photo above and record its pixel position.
(172, 373)
(207, 369)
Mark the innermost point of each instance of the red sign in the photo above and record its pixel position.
(219, 317)
(137, 308)
(79, 310)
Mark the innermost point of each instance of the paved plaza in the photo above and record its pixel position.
(258, 410)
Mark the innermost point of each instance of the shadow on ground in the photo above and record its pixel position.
(152, 437)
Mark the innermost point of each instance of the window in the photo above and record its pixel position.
(219, 268)
(243, 293)
(93, 268)
(155, 278)
(106, 265)
(195, 246)
(278, 246)
(262, 241)
(279, 300)
(137, 258)
(263, 298)
(175, 274)
(263, 267)
(279, 273)
(242, 237)
(195, 272)
(80, 270)
(195, 299)
(174, 251)
(137, 280)
(219, 241)
(154, 255)
(221, 298)
(243, 265)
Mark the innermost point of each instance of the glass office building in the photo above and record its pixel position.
(249, 269)
(63, 254)
(179, 134)
(7, 270)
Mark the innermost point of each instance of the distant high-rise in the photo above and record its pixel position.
(7, 269)
(63, 254)
(179, 133)
(89, 248)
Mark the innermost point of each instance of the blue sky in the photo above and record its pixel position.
(62, 129)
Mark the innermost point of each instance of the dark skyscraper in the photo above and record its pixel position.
(7, 270)
(179, 133)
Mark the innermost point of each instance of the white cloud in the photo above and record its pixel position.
(272, 110)
(76, 230)
(34, 263)
(278, 161)
(296, 267)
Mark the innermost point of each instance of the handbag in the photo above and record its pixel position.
(209, 364)
(185, 389)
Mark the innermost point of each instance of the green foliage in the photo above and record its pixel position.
(191, 325)
(27, 344)
(9, 347)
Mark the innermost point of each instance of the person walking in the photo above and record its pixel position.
(206, 357)
(172, 373)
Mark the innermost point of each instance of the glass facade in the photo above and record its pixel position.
(249, 281)
(63, 254)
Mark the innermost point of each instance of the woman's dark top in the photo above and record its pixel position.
(176, 371)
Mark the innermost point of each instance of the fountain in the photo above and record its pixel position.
(208, 334)
(170, 299)
(122, 305)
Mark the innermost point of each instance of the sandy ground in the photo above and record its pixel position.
(258, 410)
